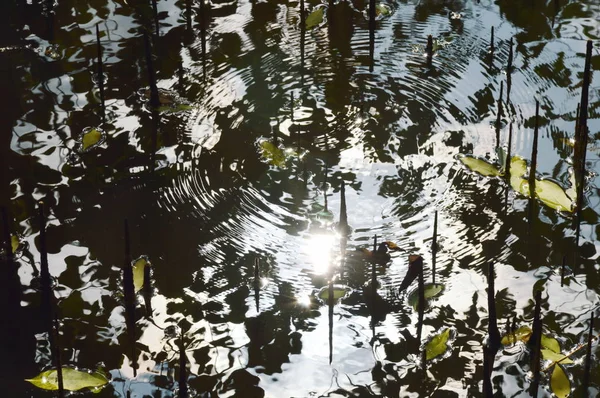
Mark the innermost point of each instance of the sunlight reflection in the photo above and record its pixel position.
(319, 249)
(304, 300)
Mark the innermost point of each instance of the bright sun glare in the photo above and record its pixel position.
(319, 249)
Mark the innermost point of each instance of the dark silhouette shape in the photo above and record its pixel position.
(535, 345)
(100, 74)
(129, 293)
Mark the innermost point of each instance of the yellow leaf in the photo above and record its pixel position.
(139, 266)
(518, 166)
(559, 382)
(521, 334)
(553, 195)
(73, 380)
(550, 343)
(14, 242)
(315, 18)
(480, 166)
(437, 345)
(554, 357)
(90, 138)
(273, 154)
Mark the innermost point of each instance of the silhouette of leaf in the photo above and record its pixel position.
(73, 380)
(559, 382)
(431, 290)
(437, 345)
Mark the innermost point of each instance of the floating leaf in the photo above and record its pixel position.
(553, 195)
(480, 166)
(382, 10)
(501, 157)
(273, 153)
(518, 166)
(315, 18)
(339, 292)
(550, 355)
(550, 343)
(437, 345)
(559, 382)
(73, 380)
(431, 290)
(139, 267)
(174, 108)
(91, 137)
(521, 334)
(15, 243)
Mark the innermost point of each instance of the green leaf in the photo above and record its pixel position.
(73, 380)
(174, 108)
(273, 154)
(521, 334)
(480, 166)
(431, 290)
(437, 345)
(90, 138)
(382, 10)
(14, 242)
(554, 357)
(338, 293)
(559, 382)
(553, 195)
(518, 166)
(315, 18)
(501, 157)
(550, 343)
(139, 267)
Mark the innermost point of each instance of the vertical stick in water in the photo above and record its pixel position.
(507, 167)
(257, 284)
(325, 185)
(577, 121)
(188, 14)
(181, 77)
(510, 57)
(434, 246)
(6, 232)
(582, 130)
(343, 210)
(154, 101)
(183, 387)
(129, 293)
(588, 359)
(147, 291)
(330, 315)
(535, 344)
(421, 304)
(155, 12)
(429, 49)
(47, 299)
(499, 115)
(493, 332)
(492, 41)
(302, 41)
(100, 74)
(204, 22)
(562, 271)
(374, 271)
(371, 35)
(57, 359)
(534, 152)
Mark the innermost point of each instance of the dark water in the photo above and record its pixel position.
(204, 203)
